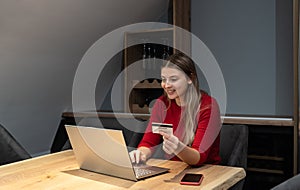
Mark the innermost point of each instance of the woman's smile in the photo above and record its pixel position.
(170, 91)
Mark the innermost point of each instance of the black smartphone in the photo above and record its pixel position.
(191, 179)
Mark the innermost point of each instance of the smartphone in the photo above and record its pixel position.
(191, 179)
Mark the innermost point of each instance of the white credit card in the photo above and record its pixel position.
(165, 127)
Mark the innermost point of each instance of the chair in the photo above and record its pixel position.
(290, 184)
(61, 141)
(234, 147)
(11, 150)
(132, 132)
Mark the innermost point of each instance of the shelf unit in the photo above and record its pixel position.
(270, 154)
(143, 55)
(179, 16)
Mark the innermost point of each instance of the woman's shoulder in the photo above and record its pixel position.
(206, 99)
(164, 101)
(163, 98)
(161, 101)
(205, 96)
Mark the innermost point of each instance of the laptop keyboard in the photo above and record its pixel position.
(142, 171)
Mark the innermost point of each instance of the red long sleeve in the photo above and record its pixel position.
(207, 138)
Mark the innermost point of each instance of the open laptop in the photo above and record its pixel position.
(104, 151)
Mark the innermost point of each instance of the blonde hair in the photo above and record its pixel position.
(189, 117)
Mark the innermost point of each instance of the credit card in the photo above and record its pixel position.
(166, 127)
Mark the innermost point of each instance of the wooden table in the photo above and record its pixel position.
(60, 171)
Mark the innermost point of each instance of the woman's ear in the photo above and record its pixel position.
(192, 76)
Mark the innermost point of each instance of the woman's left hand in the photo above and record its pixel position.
(171, 143)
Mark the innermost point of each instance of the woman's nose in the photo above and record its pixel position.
(167, 84)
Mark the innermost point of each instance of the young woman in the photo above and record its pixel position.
(193, 113)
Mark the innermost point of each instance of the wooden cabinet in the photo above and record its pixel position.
(270, 155)
(144, 54)
(141, 79)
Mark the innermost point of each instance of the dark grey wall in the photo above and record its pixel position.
(252, 42)
(41, 45)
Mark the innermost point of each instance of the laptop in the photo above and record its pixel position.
(104, 151)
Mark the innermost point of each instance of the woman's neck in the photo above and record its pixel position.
(179, 102)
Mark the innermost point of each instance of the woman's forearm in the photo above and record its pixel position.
(188, 154)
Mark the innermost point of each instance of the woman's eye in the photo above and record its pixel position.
(173, 80)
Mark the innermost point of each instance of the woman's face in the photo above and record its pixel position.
(175, 83)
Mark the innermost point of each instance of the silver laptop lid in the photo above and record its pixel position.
(101, 150)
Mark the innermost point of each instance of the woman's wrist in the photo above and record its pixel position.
(180, 147)
(145, 151)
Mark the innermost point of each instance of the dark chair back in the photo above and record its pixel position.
(10, 149)
(132, 131)
(292, 183)
(234, 147)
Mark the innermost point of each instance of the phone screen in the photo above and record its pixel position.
(191, 179)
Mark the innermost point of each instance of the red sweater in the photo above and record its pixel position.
(207, 134)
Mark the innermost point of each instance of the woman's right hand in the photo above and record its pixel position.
(137, 156)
